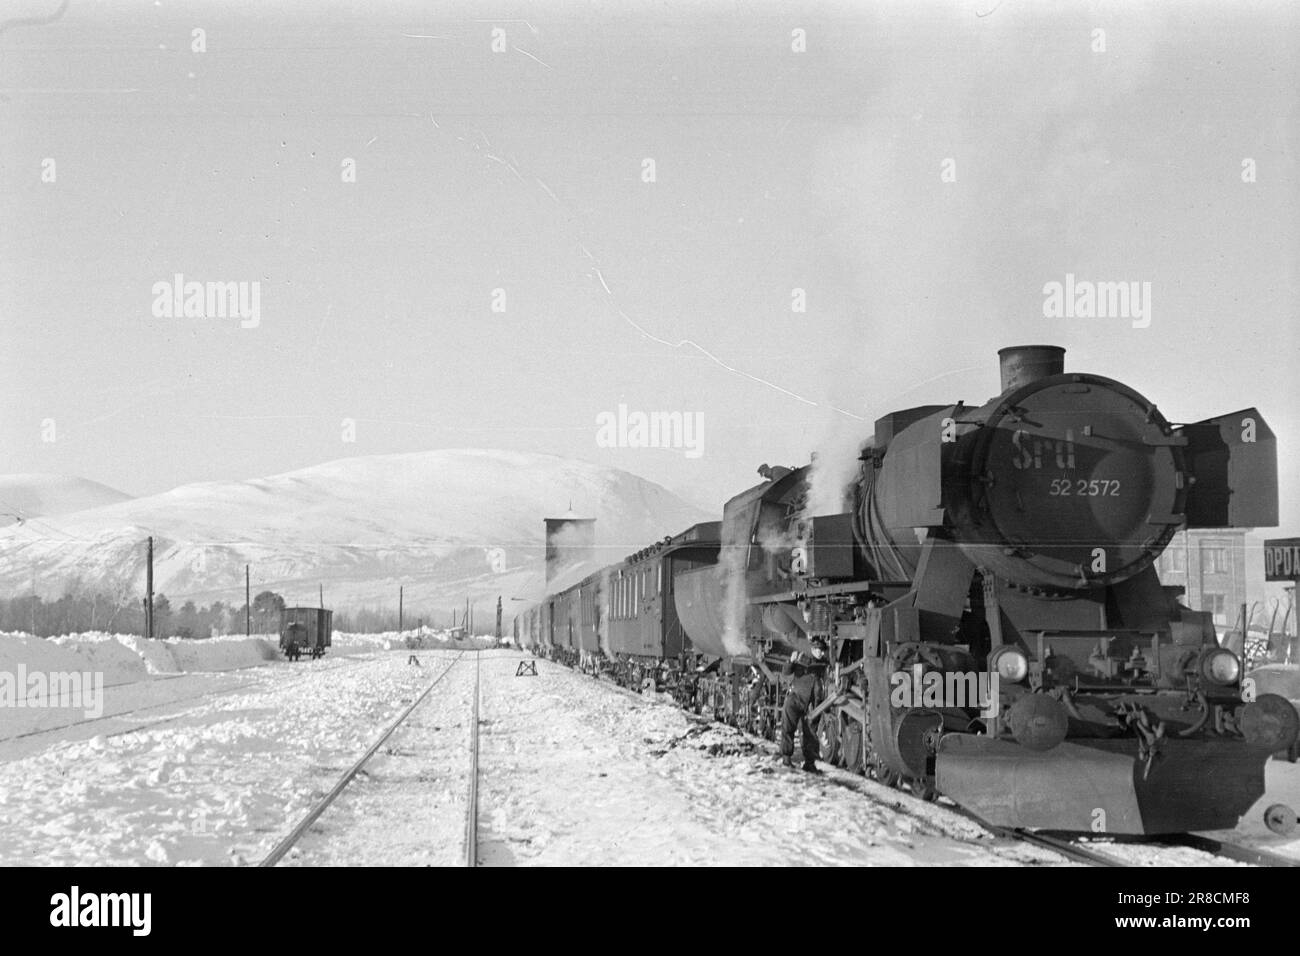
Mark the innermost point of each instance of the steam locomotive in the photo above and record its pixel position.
(987, 589)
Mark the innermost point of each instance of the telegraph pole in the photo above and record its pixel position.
(322, 597)
(148, 587)
(400, 596)
(498, 618)
(248, 606)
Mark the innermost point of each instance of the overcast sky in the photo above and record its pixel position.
(920, 170)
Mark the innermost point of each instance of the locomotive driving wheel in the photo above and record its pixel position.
(829, 738)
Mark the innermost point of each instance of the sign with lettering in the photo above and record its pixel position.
(1282, 559)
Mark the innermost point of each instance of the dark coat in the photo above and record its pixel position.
(806, 681)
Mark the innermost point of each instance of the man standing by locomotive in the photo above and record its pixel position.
(803, 694)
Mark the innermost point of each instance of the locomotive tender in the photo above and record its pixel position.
(1008, 547)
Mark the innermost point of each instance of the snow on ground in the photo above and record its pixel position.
(576, 772)
(214, 783)
(214, 767)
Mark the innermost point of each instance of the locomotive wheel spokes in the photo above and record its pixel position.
(828, 736)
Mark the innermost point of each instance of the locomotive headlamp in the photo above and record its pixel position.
(1220, 666)
(1010, 663)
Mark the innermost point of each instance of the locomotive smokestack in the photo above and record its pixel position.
(1022, 364)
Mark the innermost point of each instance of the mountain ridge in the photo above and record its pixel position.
(445, 523)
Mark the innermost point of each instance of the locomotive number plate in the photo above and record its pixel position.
(1084, 488)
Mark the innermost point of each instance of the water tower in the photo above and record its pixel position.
(570, 541)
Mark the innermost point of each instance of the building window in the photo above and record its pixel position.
(1214, 559)
(1217, 605)
(1174, 560)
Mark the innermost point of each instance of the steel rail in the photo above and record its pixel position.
(296, 833)
(471, 811)
(1231, 851)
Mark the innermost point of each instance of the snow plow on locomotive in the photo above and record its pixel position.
(997, 630)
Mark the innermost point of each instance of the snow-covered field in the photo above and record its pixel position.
(210, 753)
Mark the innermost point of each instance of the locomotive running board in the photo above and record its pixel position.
(1100, 786)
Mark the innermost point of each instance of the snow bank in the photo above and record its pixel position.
(123, 658)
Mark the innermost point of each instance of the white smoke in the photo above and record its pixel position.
(735, 591)
(835, 466)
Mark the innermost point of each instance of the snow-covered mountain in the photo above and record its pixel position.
(31, 496)
(444, 524)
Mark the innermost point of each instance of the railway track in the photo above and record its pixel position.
(1231, 851)
(286, 844)
(471, 811)
(1093, 852)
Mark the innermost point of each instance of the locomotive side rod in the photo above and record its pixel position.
(296, 833)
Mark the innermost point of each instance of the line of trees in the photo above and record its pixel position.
(78, 611)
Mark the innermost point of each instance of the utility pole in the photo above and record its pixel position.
(322, 597)
(498, 618)
(148, 587)
(248, 606)
(401, 592)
